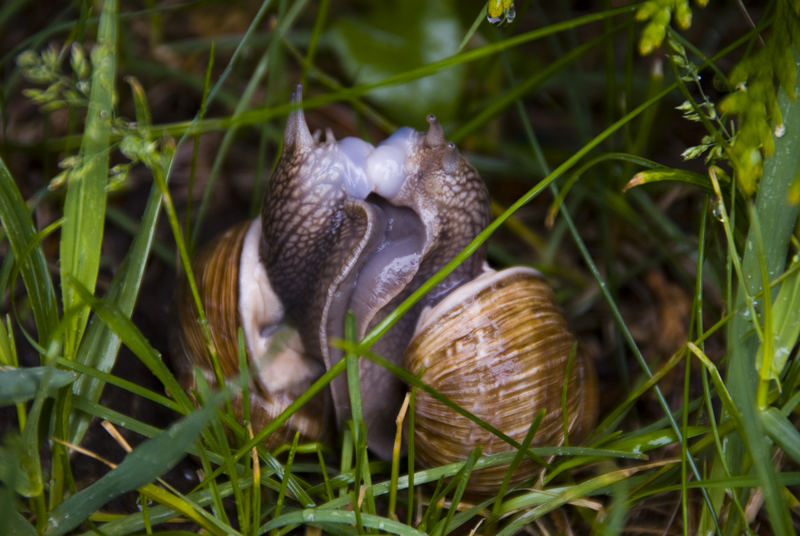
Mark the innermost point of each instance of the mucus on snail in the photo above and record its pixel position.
(348, 226)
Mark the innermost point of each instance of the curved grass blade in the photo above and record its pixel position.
(783, 432)
(162, 513)
(651, 176)
(126, 331)
(21, 384)
(143, 465)
(19, 228)
(263, 114)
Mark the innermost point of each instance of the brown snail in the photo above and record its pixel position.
(348, 226)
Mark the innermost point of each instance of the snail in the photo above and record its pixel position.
(235, 292)
(348, 226)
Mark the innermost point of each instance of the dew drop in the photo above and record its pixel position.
(718, 210)
(510, 14)
(506, 17)
(780, 130)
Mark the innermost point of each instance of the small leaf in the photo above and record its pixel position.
(650, 176)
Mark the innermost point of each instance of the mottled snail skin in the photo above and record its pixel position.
(330, 247)
(498, 347)
(234, 296)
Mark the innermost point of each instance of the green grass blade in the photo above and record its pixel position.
(134, 523)
(19, 228)
(340, 517)
(783, 432)
(777, 218)
(101, 345)
(253, 84)
(144, 464)
(21, 384)
(787, 326)
(127, 332)
(461, 486)
(11, 522)
(85, 202)
(669, 174)
(128, 385)
(499, 103)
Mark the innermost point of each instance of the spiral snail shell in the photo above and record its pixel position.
(348, 226)
(235, 292)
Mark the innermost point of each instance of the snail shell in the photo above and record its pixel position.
(235, 292)
(499, 347)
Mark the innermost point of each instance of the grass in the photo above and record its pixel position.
(680, 277)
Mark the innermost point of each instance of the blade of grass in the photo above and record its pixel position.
(144, 464)
(101, 345)
(126, 331)
(261, 115)
(167, 511)
(549, 501)
(499, 103)
(19, 228)
(411, 505)
(84, 205)
(777, 218)
(786, 331)
(230, 133)
(122, 383)
(783, 432)
(21, 384)
(339, 517)
(287, 471)
(461, 481)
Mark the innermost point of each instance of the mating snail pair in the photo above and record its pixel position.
(348, 226)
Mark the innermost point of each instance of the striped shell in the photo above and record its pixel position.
(500, 348)
(279, 370)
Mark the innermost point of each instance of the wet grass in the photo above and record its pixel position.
(681, 285)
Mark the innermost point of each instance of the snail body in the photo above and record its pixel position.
(348, 226)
